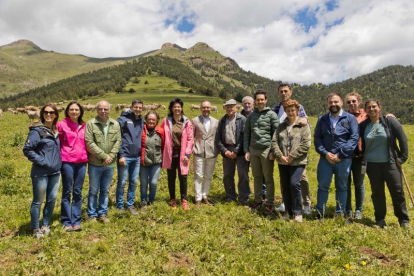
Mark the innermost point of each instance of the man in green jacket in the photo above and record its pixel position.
(103, 140)
(258, 132)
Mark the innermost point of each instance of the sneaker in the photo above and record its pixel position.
(37, 233)
(77, 228)
(133, 211)
(358, 215)
(380, 224)
(405, 225)
(256, 204)
(173, 204)
(103, 218)
(268, 210)
(185, 204)
(143, 206)
(120, 209)
(349, 214)
(67, 228)
(92, 219)
(45, 229)
(307, 210)
(281, 208)
(198, 203)
(298, 218)
(205, 201)
(286, 216)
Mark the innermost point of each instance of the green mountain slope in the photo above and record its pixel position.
(24, 66)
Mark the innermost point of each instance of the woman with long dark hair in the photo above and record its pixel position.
(42, 148)
(383, 158)
(74, 159)
(179, 140)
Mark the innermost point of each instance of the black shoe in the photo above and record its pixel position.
(256, 204)
(268, 210)
(229, 200)
(380, 224)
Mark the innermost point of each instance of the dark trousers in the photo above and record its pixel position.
(290, 177)
(229, 169)
(379, 173)
(73, 176)
(172, 175)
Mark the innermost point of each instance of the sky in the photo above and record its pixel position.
(306, 41)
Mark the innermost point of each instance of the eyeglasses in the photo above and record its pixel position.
(351, 101)
(49, 112)
(103, 109)
(283, 91)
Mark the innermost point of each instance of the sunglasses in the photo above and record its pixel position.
(49, 112)
(351, 101)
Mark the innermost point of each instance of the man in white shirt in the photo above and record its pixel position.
(205, 152)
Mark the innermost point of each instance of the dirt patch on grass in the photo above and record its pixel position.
(372, 254)
(178, 260)
(9, 233)
(95, 237)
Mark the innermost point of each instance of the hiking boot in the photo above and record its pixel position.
(281, 208)
(358, 215)
(143, 206)
(133, 211)
(205, 201)
(77, 228)
(268, 210)
(299, 218)
(198, 203)
(380, 224)
(173, 204)
(37, 234)
(256, 204)
(103, 218)
(45, 229)
(307, 210)
(185, 204)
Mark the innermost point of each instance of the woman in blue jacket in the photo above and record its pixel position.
(42, 148)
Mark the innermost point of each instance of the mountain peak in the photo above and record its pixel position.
(20, 42)
(168, 45)
(201, 47)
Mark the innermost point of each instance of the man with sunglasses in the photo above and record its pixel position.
(285, 94)
(103, 140)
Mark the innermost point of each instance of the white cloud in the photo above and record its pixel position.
(372, 34)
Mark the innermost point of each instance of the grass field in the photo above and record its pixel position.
(226, 239)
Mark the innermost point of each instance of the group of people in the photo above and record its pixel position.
(349, 143)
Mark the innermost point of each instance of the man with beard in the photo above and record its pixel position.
(336, 136)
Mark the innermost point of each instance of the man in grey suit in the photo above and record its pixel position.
(205, 152)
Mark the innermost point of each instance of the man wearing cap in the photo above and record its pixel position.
(258, 132)
(285, 93)
(205, 152)
(229, 138)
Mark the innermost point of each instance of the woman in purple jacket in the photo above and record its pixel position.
(74, 158)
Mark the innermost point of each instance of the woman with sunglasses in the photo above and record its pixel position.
(74, 159)
(383, 158)
(354, 102)
(42, 148)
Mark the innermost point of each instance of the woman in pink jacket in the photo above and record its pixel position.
(74, 160)
(178, 131)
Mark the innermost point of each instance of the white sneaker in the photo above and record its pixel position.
(281, 208)
(307, 210)
(45, 230)
(298, 218)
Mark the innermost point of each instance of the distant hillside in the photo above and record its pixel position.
(24, 66)
(205, 71)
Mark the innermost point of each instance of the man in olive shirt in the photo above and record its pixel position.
(103, 140)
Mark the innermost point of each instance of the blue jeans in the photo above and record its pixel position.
(43, 185)
(73, 176)
(359, 186)
(149, 174)
(131, 171)
(325, 172)
(99, 181)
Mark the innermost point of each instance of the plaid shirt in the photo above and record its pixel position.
(301, 113)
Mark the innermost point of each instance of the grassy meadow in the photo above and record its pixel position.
(225, 239)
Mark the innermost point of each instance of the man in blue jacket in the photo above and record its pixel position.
(131, 123)
(336, 136)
